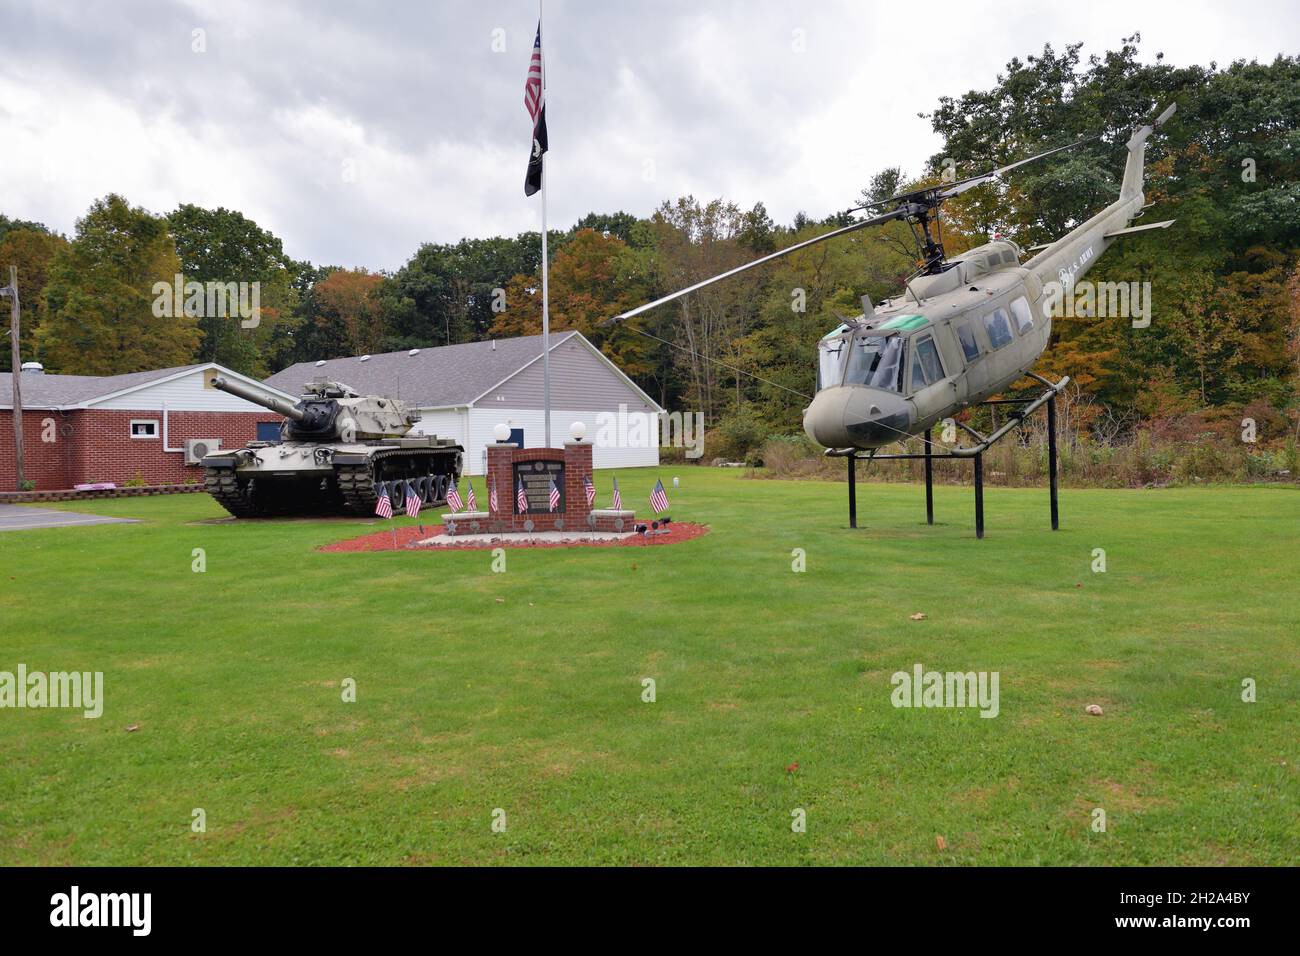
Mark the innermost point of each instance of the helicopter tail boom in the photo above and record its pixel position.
(1133, 169)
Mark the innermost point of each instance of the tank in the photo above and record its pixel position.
(336, 448)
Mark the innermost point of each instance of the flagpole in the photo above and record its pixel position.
(546, 305)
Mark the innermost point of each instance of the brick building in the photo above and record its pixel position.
(143, 426)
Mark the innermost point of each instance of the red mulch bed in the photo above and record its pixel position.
(407, 536)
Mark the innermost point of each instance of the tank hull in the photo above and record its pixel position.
(269, 479)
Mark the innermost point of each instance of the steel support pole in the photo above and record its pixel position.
(853, 491)
(929, 476)
(979, 495)
(1051, 459)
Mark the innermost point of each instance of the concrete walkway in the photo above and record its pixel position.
(22, 517)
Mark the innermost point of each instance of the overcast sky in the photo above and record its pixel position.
(356, 131)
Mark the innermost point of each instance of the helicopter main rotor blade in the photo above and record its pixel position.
(959, 187)
(875, 220)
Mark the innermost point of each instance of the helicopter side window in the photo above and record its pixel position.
(998, 326)
(1020, 312)
(876, 360)
(969, 347)
(926, 366)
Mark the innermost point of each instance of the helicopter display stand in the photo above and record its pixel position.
(975, 453)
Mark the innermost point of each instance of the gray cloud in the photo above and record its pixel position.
(357, 131)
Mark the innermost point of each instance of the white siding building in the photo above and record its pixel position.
(465, 391)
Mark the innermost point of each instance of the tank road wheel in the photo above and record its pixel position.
(357, 483)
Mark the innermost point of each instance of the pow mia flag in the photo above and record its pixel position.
(535, 102)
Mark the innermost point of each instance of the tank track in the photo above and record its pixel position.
(357, 482)
(356, 489)
(222, 485)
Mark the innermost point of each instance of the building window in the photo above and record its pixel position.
(144, 428)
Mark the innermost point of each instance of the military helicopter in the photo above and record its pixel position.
(963, 329)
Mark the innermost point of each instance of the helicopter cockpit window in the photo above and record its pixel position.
(876, 360)
(831, 355)
(998, 326)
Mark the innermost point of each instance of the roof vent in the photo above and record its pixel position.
(33, 368)
(494, 345)
(364, 358)
(320, 363)
(413, 352)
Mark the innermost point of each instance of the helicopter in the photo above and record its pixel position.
(963, 329)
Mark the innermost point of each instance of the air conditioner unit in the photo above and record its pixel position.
(196, 448)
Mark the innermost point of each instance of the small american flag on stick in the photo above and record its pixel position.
(492, 495)
(453, 498)
(555, 494)
(659, 498)
(521, 498)
(618, 498)
(589, 489)
(470, 500)
(384, 507)
(413, 501)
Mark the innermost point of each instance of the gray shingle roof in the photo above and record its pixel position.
(54, 391)
(433, 378)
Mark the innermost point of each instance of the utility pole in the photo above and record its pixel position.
(12, 291)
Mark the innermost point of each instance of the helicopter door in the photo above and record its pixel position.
(931, 391)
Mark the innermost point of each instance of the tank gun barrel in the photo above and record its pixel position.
(259, 397)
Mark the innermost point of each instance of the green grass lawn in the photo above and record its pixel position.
(522, 690)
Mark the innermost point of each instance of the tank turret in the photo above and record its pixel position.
(330, 411)
(337, 451)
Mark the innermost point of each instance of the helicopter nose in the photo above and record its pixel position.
(856, 416)
(874, 417)
(823, 419)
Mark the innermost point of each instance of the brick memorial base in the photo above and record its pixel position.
(508, 466)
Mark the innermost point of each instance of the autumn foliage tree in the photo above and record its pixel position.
(348, 317)
(99, 302)
(31, 251)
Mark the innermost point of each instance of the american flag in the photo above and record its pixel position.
(521, 498)
(413, 501)
(659, 498)
(470, 501)
(618, 499)
(492, 495)
(555, 494)
(533, 85)
(453, 498)
(384, 507)
(535, 102)
(589, 488)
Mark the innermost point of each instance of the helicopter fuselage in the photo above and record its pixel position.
(952, 339)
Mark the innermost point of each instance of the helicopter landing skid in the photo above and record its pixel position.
(973, 452)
